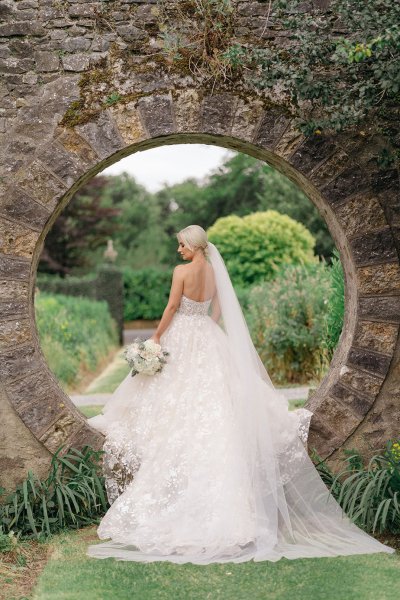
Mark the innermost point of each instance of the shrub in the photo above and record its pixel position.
(287, 322)
(146, 292)
(75, 334)
(256, 246)
(105, 284)
(369, 495)
(71, 496)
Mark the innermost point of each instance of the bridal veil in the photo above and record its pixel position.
(294, 514)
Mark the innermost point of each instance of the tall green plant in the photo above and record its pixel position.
(71, 496)
(286, 318)
(369, 495)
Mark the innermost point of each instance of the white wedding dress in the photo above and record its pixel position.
(201, 469)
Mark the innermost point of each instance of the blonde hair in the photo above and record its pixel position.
(194, 237)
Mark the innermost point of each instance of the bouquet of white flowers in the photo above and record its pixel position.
(145, 357)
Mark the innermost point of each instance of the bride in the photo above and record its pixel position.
(203, 461)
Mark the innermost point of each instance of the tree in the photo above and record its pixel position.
(240, 186)
(83, 226)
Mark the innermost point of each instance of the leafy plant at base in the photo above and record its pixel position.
(370, 496)
(71, 496)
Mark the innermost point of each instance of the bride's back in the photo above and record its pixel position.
(198, 281)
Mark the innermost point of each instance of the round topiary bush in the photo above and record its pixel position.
(255, 246)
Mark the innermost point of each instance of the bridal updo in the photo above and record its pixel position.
(194, 237)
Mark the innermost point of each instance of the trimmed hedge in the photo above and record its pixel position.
(146, 292)
(256, 246)
(106, 284)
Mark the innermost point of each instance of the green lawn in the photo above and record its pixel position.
(109, 381)
(71, 575)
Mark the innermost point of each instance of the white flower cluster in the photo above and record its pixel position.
(145, 357)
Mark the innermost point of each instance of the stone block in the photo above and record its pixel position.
(66, 425)
(19, 362)
(187, 110)
(156, 114)
(385, 308)
(17, 205)
(369, 361)
(378, 337)
(58, 160)
(326, 171)
(76, 145)
(362, 213)
(16, 239)
(46, 61)
(13, 308)
(13, 332)
(13, 290)
(75, 62)
(127, 118)
(102, 135)
(374, 247)
(86, 437)
(217, 113)
(130, 33)
(76, 44)
(321, 437)
(86, 9)
(289, 142)
(37, 400)
(272, 127)
(18, 28)
(14, 268)
(314, 151)
(358, 404)
(365, 383)
(15, 66)
(40, 185)
(379, 279)
(349, 182)
(338, 417)
(246, 118)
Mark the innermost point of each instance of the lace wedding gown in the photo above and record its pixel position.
(180, 485)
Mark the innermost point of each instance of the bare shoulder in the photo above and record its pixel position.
(179, 270)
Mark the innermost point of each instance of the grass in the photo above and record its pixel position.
(71, 575)
(111, 377)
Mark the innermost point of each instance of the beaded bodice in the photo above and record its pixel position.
(193, 307)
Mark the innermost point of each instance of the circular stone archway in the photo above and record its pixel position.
(45, 162)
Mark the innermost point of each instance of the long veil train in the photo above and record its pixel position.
(293, 513)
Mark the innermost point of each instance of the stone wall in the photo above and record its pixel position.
(83, 86)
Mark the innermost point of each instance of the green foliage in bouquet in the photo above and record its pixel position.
(255, 247)
(73, 495)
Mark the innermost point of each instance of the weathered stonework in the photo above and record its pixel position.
(76, 96)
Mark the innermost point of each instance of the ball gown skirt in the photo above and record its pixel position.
(179, 486)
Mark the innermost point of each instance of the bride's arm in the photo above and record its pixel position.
(173, 303)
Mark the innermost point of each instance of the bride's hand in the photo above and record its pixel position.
(156, 339)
